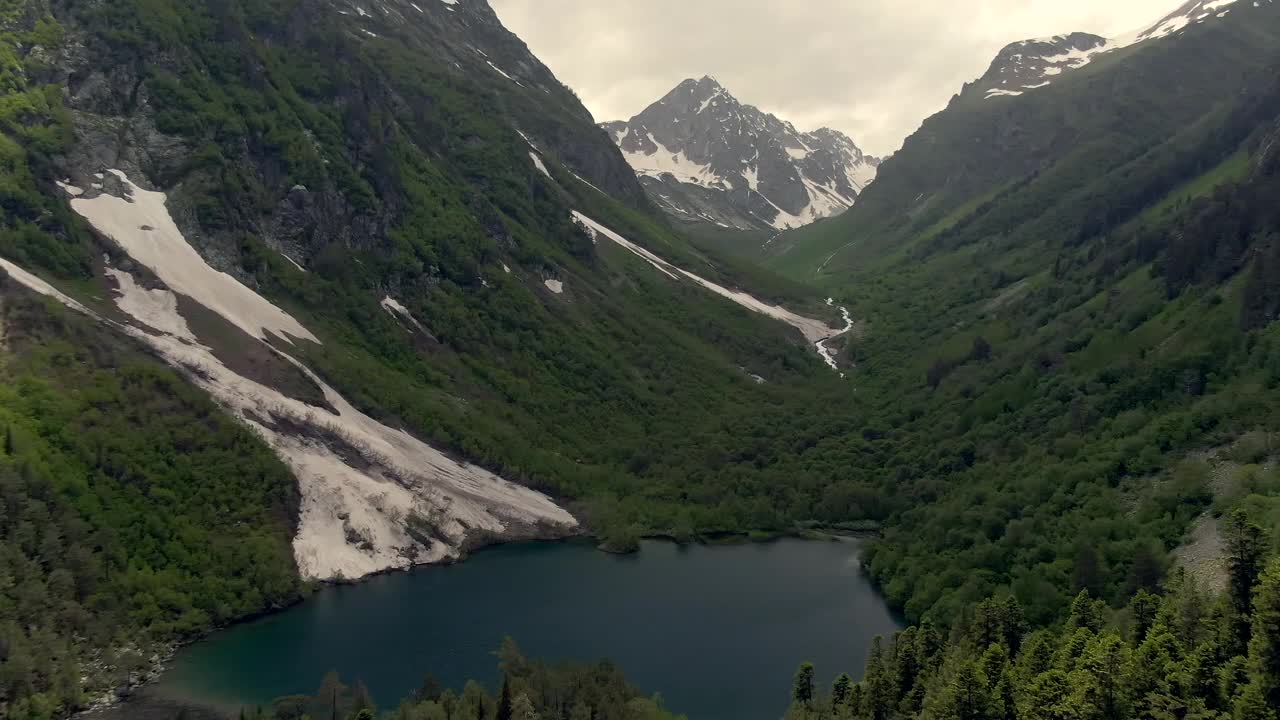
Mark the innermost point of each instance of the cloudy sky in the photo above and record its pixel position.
(872, 68)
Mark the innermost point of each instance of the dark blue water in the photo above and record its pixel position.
(718, 631)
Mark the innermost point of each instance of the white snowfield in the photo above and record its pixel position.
(824, 200)
(815, 331)
(364, 485)
(665, 162)
(142, 227)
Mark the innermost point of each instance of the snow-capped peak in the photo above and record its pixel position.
(706, 157)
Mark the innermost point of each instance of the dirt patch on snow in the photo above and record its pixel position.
(247, 357)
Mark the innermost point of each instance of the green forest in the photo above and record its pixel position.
(1175, 653)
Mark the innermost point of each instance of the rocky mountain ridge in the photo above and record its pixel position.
(1033, 64)
(705, 157)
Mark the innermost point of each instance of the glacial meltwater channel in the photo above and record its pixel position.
(717, 630)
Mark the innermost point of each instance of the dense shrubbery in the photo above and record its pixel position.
(132, 511)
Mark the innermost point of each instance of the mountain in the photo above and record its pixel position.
(301, 291)
(1090, 119)
(1034, 64)
(1072, 300)
(704, 157)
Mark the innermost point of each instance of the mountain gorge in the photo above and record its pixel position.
(704, 157)
(301, 291)
(406, 294)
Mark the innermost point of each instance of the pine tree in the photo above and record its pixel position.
(1048, 697)
(968, 695)
(1251, 704)
(1014, 624)
(1264, 646)
(879, 683)
(522, 708)
(840, 690)
(505, 700)
(1246, 546)
(1004, 703)
(988, 626)
(1103, 685)
(1085, 613)
(802, 690)
(994, 662)
(1144, 608)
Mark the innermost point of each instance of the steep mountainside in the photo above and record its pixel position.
(1092, 119)
(1072, 299)
(1033, 64)
(410, 298)
(704, 157)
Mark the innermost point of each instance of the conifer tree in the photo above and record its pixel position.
(1246, 546)
(879, 682)
(802, 689)
(522, 708)
(505, 700)
(1144, 608)
(1264, 646)
(841, 689)
(968, 695)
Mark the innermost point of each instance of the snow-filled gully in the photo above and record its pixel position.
(815, 331)
(374, 498)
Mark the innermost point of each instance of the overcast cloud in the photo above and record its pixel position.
(871, 68)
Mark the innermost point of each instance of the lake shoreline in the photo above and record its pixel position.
(142, 703)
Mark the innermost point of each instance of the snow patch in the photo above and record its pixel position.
(665, 162)
(555, 286)
(400, 312)
(355, 516)
(815, 331)
(34, 283)
(503, 73)
(293, 262)
(542, 168)
(142, 227)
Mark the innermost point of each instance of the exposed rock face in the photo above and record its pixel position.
(705, 157)
(1032, 64)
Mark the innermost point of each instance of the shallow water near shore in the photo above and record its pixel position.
(718, 631)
